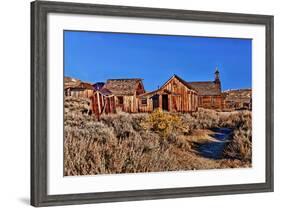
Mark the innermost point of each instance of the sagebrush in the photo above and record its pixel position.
(131, 143)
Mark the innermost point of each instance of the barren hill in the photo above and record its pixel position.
(71, 82)
(238, 98)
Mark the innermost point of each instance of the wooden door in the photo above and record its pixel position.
(165, 102)
(155, 101)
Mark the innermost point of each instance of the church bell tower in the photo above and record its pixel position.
(217, 78)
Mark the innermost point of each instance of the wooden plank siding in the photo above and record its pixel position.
(211, 101)
(102, 104)
(209, 93)
(130, 103)
(125, 92)
(173, 96)
(80, 93)
(128, 95)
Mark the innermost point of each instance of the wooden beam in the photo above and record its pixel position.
(98, 99)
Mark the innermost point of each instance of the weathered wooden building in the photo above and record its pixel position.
(176, 95)
(101, 100)
(128, 95)
(209, 93)
(125, 92)
(79, 89)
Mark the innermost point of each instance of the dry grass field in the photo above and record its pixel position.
(160, 141)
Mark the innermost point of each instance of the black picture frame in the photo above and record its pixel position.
(39, 12)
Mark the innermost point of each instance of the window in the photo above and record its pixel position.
(120, 100)
(144, 101)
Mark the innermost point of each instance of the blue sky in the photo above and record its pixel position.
(98, 56)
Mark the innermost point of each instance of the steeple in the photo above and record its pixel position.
(217, 76)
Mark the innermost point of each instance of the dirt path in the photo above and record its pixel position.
(214, 149)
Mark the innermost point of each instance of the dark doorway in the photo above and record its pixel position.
(165, 102)
(155, 101)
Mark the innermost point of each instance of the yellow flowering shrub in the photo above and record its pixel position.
(162, 123)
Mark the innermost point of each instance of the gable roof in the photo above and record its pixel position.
(206, 88)
(174, 76)
(184, 82)
(181, 80)
(123, 86)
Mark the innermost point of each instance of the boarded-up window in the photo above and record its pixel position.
(144, 101)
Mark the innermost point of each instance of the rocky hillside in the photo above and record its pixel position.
(238, 99)
(238, 95)
(71, 82)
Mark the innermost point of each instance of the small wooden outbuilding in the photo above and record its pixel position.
(103, 102)
(125, 92)
(79, 89)
(176, 95)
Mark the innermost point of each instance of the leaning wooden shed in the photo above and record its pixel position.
(103, 102)
(176, 95)
(125, 93)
